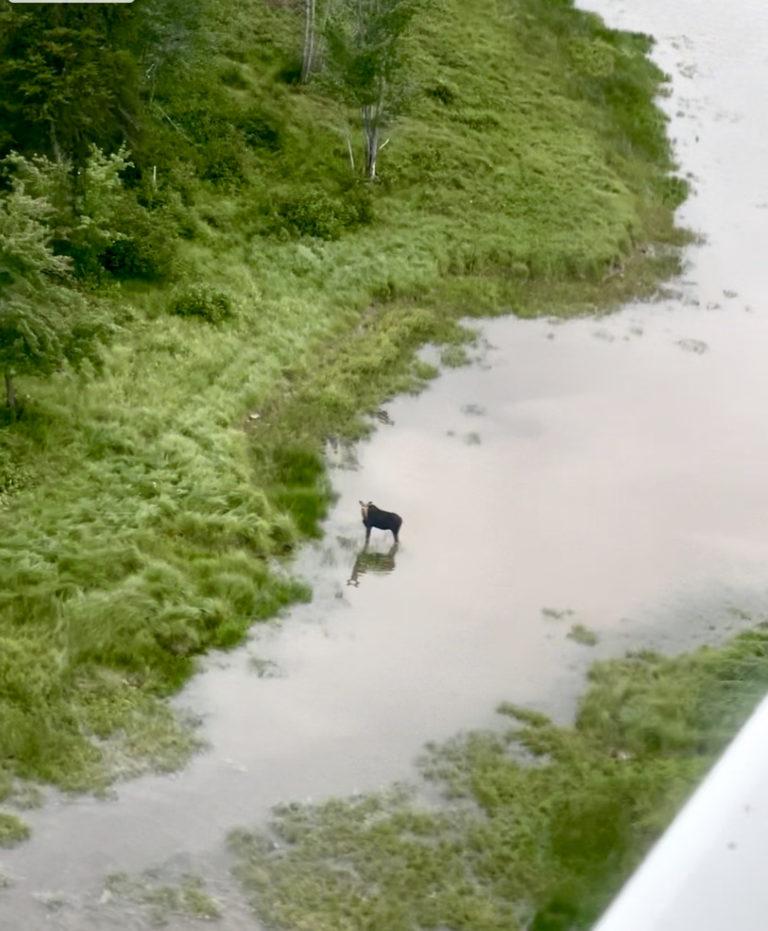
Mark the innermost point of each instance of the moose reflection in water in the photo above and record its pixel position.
(372, 562)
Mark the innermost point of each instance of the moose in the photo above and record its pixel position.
(383, 520)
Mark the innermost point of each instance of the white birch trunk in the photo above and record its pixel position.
(310, 13)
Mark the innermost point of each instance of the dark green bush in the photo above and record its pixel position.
(674, 190)
(444, 92)
(202, 300)
(232, 76)
(13, 475)
(290, 71)
(260, 131)
(130, 258)
(223, 161)
(321, 215)
(146, 249)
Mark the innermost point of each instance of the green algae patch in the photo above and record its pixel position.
(160, 901)
(582, 634)
(12, 830)
(538, 825)
(144, 509)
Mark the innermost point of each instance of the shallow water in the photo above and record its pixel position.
(608, 472)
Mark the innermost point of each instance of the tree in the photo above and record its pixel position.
(43, 322)
(310, 39)
(82, 227)
(367, 64)
(66, 82)
(75, 75)
(168, 38)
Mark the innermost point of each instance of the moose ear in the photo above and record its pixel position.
(362, 503)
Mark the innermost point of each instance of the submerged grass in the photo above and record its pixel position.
(583, 635)
(186, 898)
(539, 826)
(142, 509)
(12, 830)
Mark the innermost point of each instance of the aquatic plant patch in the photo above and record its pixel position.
(539, 825)
(12, 830)
(187, 898)
(583, 635)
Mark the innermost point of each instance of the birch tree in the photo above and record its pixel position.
(310, 39)
(366, 62)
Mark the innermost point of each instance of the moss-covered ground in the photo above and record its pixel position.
(142, 508)
(538, 825)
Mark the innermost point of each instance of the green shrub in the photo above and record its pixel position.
(444, 92)
(13, 475)
(260, 131)
(320, 215)
(202, 300)
(146, 248)
(232, 76)
(290, 71)
(674, 190)
(223, 161)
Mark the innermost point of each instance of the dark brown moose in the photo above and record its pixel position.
(382, 520)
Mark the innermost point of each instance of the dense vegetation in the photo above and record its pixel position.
(215, 291)
(540, 824)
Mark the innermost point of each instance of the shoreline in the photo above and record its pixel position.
(146, 529)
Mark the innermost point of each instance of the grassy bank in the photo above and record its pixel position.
(142, 508)
(538, 826)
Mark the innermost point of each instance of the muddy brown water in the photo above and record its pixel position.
(608, 472)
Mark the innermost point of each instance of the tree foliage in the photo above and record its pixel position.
(367, 63)
(44, 323)
(66, 81)
(77, 75)
(86, 223)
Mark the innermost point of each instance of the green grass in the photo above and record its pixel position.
(143, 508)
(539, 825)
(187, 898)
(12, 830)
